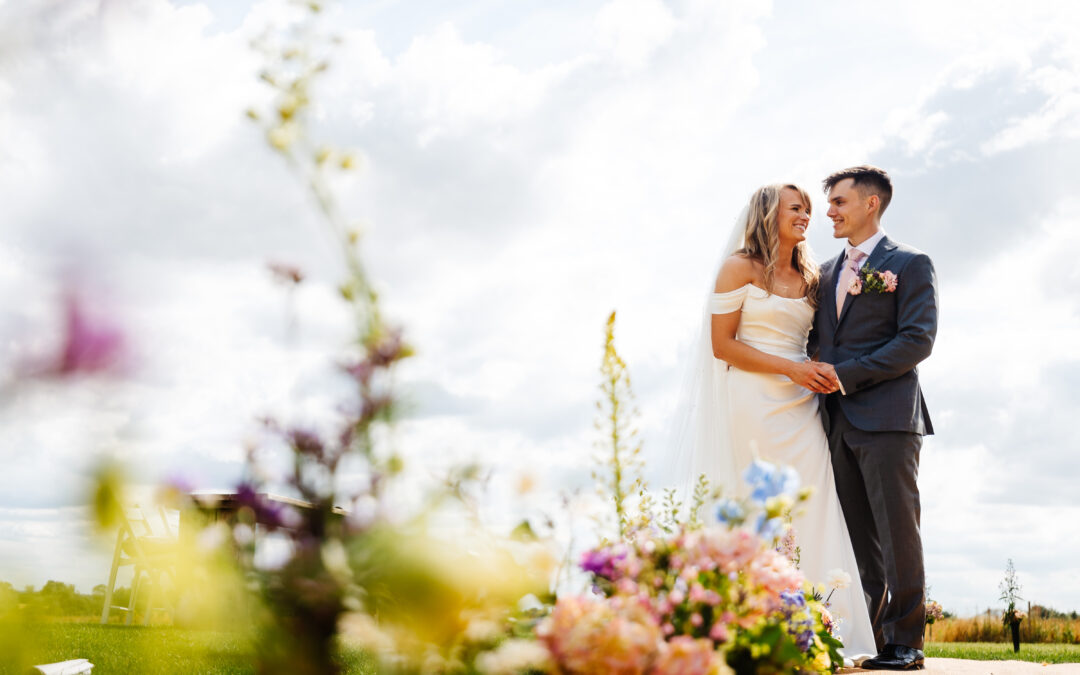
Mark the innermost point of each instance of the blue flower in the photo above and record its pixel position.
(729, 510)
(769, 480)
(793, 599)
(769, 529)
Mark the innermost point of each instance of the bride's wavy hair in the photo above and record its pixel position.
(762, 238)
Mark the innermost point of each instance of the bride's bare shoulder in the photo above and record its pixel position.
(736, 272)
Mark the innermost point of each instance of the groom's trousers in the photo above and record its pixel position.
(876, 476)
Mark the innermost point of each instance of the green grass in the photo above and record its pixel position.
(1000, 651)
(130, 649)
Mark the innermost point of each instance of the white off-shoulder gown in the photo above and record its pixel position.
(780, 420)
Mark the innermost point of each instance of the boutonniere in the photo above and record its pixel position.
(870, 280)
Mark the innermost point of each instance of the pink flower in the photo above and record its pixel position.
(855, 287)
(585, 636)
(285, 273)
(697, 593)
(684, 655)
(890, 280)
(719, 632)
(93, 343)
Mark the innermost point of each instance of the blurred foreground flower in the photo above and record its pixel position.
(719, 596)
(92, 343)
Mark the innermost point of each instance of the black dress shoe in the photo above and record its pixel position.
(896, 657)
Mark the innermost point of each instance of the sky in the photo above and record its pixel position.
(526, 168)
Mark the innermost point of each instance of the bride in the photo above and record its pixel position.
(756, 390)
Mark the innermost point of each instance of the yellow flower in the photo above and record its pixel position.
(283, 136)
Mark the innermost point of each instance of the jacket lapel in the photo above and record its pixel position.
(830, 286)
(873, 260)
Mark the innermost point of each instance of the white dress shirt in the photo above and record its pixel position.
(866, 248)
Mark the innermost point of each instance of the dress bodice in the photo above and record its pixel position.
(770, 323)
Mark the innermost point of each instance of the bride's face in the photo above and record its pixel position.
(793, 218)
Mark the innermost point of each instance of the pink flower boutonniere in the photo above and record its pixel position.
(872, 281)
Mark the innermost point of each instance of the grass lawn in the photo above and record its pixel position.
(1002, 651)
(130, 649)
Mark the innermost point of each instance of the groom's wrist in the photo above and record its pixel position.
(841, 370)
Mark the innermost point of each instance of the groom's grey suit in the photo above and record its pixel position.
(875, 428)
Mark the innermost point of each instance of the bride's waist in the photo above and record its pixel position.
(784, 349)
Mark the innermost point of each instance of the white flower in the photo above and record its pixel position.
(481, 630)
(514, 656)
(838, 579)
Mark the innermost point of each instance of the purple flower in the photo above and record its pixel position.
(91, 344)
(794, 599)
(801, 629)
(601, 562)
(268, 513)
(306, 442)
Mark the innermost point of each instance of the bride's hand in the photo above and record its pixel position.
(813, 376)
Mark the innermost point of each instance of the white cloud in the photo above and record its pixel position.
(633, 29)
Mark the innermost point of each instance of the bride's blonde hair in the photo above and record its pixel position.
(762, 238)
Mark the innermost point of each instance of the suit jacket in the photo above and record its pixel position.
(879, 339)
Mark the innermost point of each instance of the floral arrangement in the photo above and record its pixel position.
(1010, 593)
(1012, 615)
(934, 612)
(700, 600)
(870, 280)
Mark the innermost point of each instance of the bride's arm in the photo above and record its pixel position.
(736, 273)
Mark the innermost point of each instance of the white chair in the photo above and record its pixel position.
(72, 667)
(152, 554)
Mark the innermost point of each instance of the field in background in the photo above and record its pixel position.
(988, 628)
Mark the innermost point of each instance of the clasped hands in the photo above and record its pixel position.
(816, 376)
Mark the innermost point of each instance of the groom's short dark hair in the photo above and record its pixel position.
(865, 179)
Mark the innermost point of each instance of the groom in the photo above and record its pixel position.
(876, 320)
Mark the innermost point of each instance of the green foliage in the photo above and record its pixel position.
(55, 599)
(619, 464)
(702, 495)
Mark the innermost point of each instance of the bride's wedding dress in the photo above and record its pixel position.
(778, 420)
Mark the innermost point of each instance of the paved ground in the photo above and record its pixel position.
(965, 667)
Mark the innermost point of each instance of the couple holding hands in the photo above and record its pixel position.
(817, 369)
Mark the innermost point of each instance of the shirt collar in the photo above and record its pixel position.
(867, 247)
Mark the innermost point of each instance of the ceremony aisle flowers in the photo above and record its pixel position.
(700, 600)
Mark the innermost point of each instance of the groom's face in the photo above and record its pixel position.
(849, 210)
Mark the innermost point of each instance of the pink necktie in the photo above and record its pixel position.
(851, 268)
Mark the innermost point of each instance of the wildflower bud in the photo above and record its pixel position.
(282, 137)
(288, 107)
